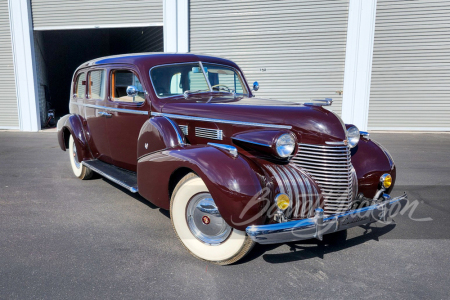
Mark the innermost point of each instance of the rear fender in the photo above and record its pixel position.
(232, 181)
(72, 124)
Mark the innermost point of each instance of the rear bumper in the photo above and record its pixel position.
(319, 225)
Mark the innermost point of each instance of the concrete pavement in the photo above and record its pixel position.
(63, 238)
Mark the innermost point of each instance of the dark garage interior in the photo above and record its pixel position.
(60, 52)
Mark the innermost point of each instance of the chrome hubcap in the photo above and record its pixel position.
(75, 156)
(205, 221)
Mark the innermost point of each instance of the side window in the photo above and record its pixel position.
(96, 84)
(120, 80)
(80, 86)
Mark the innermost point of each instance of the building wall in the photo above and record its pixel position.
(41, 74)
(57, 14)
(9, 116)
(294, 49)
(411, 66)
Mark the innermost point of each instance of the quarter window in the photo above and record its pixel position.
(120, 81)
(80, 85)
(96, 85)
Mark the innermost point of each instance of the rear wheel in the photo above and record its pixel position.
(201, 228)
(78, 169)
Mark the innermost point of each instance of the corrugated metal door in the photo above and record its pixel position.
(57, 14)
(411, 66)
(9, 118)
(294, 49)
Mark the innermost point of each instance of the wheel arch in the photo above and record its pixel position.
(232, 182)
(71, 124)
(176, 177)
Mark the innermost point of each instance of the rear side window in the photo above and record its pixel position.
(80, 85)
(96, 87)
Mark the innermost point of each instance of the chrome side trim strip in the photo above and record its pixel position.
(220, 121)
(232, 150)
(251, 142)
(122, 110)
(115, 180)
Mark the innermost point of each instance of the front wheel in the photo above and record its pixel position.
(201, 228)
(78, 169)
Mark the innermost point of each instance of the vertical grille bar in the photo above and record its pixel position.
(331, 168)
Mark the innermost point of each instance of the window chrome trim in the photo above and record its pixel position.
(122, 110)
(238, 72)
(173, 64)
(204, 74)
(206, 78)
(182, 117)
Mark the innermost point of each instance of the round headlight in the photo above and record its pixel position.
(285, 145)
(353, 136)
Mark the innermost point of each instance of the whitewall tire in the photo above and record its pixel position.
(200, 227)
(78, 169)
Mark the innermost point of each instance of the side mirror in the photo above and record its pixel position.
(132, 91)
(255, 86)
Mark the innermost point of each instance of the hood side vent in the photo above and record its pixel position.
(208, 133)
(184, 129)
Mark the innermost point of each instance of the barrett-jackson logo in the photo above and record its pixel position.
(351, 220)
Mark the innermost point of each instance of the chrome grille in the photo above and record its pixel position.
(299, 187)
(331, 168)
(184, 129)
(209, 133)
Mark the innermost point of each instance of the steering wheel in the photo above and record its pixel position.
(222, 87)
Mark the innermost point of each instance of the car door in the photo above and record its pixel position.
(128, 114)
(94, 86)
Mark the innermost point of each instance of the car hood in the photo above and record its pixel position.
(312, 124)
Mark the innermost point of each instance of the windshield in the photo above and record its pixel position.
(177, 79)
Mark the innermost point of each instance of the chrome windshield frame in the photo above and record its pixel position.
(204, 75)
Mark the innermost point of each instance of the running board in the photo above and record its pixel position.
(124, 178)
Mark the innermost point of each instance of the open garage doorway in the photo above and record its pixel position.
(59, 52)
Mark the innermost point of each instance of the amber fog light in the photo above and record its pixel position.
(386, 180)
(282, 201)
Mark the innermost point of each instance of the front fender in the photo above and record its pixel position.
(232, 181)
(370, 161)
(72, 124)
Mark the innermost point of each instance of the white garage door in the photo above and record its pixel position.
(58, 14)
(411, 66)
(294, 49)
(9, 118)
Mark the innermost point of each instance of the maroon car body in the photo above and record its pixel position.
(158, 141)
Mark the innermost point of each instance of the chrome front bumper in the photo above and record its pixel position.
(319, 225)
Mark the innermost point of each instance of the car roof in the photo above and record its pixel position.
(154, 58)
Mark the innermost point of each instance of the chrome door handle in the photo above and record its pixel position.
(104, 114)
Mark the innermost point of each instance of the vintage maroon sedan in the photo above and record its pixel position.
(186, 132)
